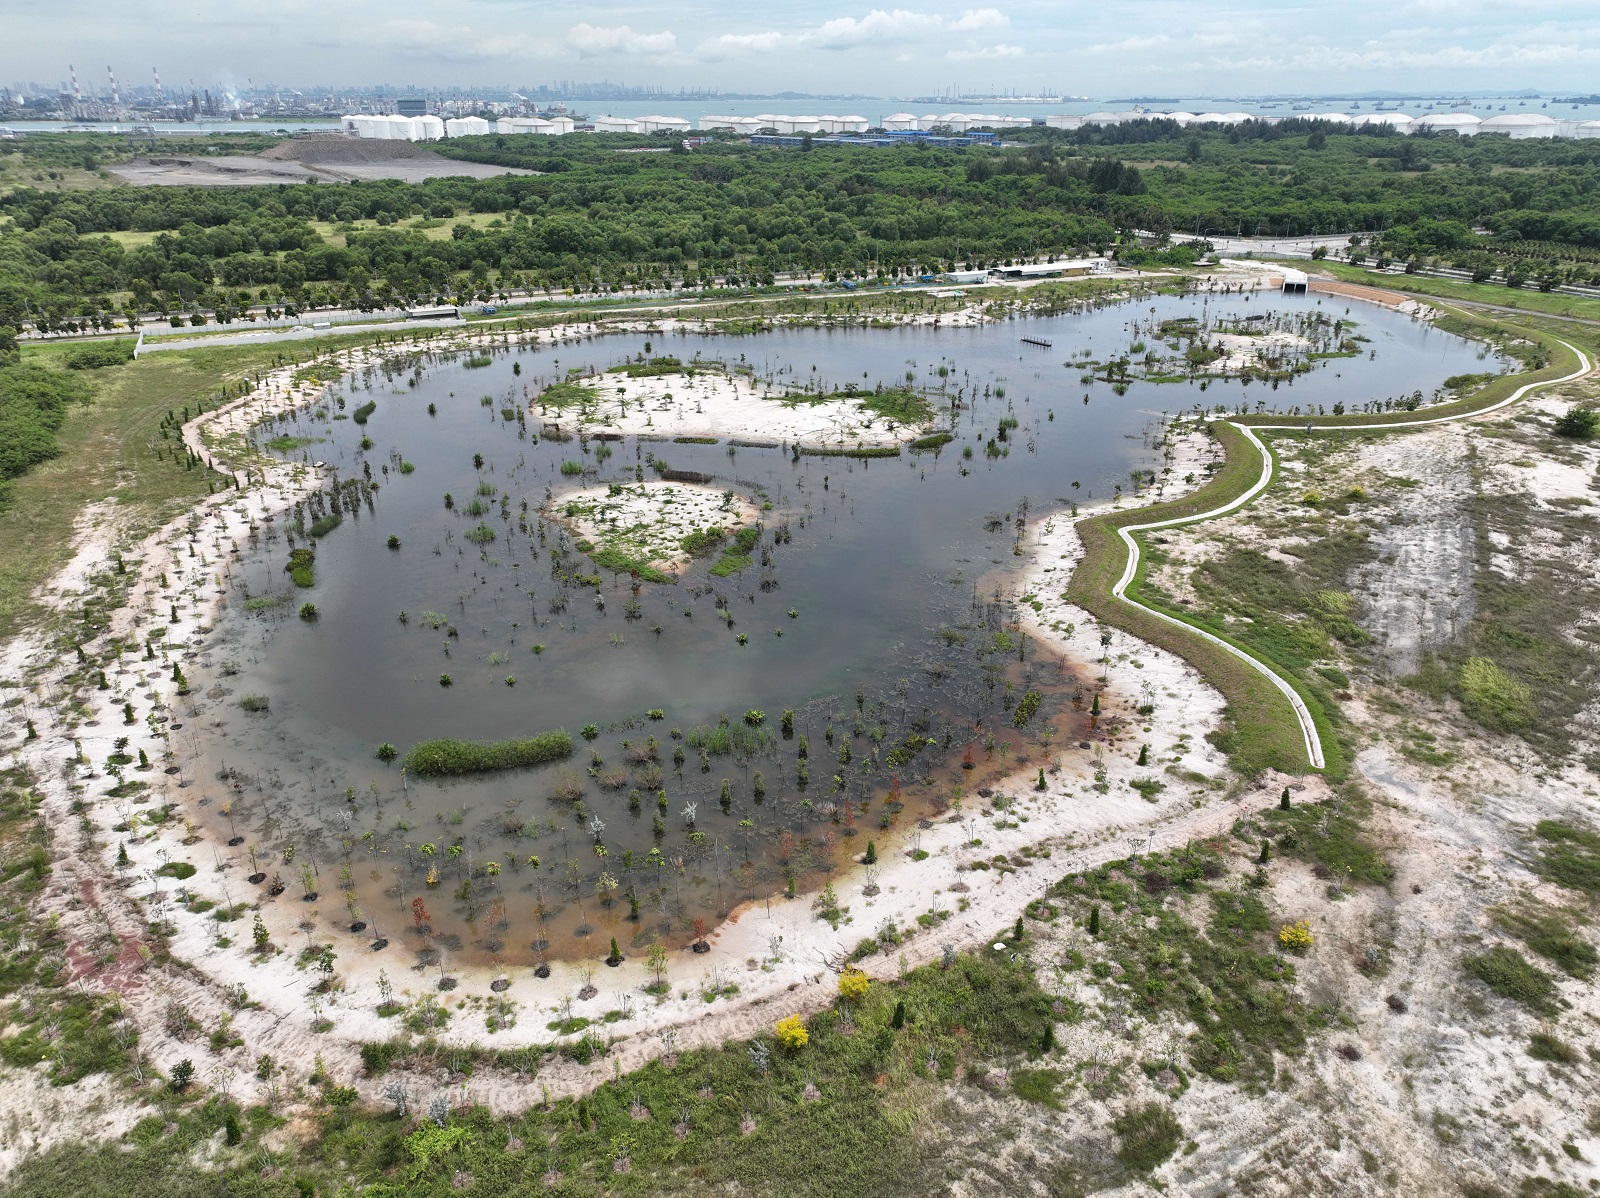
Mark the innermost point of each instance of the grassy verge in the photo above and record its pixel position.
(1264, 731)
(109, 453)
(1550, 303)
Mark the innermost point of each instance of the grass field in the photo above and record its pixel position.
(107, 454)
(1550, 303)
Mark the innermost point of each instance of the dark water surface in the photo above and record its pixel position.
(881, 560)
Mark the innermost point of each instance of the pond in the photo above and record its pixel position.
(734, 737)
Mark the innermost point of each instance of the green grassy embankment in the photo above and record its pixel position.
(1548, 303)
(1264, 730)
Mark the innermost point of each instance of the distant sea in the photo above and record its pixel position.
(875, 109)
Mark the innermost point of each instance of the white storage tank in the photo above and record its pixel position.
(1520, 125)
(1398, 120)
(1586, 129)
(615, 124)
(899, 122)
(430, 128)
(1063, 120)
(1463, 123)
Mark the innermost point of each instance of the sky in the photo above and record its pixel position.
(1133, 48)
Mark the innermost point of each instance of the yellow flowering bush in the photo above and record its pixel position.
(791, 1032)
(853, 984)
(1295, 936)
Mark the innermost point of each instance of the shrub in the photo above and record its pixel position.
(1146, 1136)
(177, 869)
(182, 1076)
(301, 567)
(1296, 937)
(571, 469)
(105, 353)
(448, 756)
(1581, 422)
(323, 525)
(853, 984)
(791, 1033)
(361, 414)
(308, 612)
(255, 703)
(1545, 1047)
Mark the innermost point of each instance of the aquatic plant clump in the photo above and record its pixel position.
(447, 756)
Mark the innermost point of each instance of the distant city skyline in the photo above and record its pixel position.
(1150, 47)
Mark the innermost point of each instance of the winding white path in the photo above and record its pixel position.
(1308, 726)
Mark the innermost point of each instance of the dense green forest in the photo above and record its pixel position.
(597, 219)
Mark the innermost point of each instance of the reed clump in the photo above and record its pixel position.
(447, 756)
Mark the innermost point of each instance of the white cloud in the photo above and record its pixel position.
(1129, 45)
(987, 52)
(456, 43)
(591, 41)
(978, 18)
(878, 27)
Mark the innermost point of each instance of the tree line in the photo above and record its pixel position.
(596, 219)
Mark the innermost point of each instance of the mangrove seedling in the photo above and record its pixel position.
(386, 753)
(446, 680)
(871, 857)
(615, 958)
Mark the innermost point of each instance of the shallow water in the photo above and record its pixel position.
(888, 564)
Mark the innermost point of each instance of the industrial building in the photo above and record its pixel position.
(947, 128)
(916, 137)
(1050, 270)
